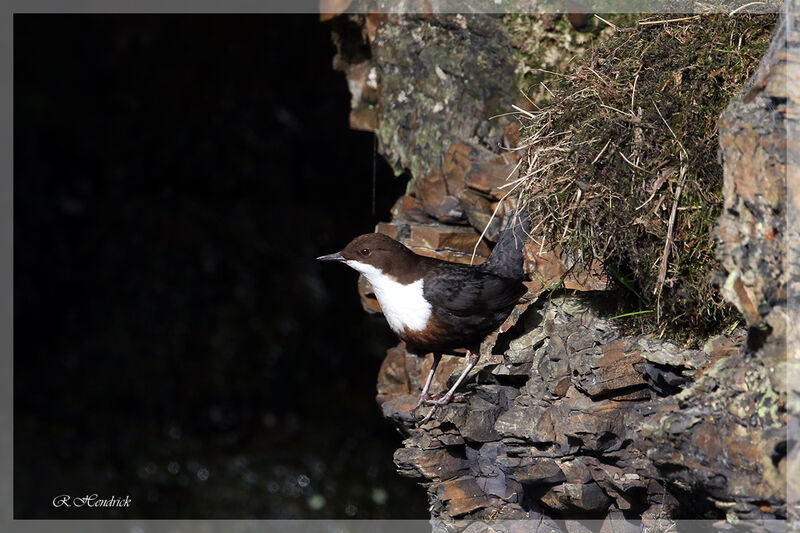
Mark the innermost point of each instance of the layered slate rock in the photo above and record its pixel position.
(554, 423)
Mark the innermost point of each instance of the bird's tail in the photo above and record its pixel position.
(506, 259)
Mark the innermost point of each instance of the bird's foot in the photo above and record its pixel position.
(435, 404)
(432, 398)
(435, 400)
(423, 398)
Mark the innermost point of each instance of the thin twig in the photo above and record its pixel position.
(524, 112)
(494, 213)
(601, 151)
(614, 26)
(634, 165)
(657, 185)
(504, 115)
(510, 183)
(599, 77)
(529, 100)
(732, 13)
(551, 72)
(512, 173)
(662, 269)
(649, 22)
(617, 110)
(670, 130)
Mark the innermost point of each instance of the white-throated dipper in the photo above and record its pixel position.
(439, 306)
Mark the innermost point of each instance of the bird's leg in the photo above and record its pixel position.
(424, 396)
(444, 400)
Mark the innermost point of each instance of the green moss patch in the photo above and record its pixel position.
(622, 166)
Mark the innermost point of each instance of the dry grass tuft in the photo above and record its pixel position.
(622, 165)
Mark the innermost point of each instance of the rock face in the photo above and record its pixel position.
(753, 229)
(564, 416)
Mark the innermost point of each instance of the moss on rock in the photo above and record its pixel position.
(623, 166)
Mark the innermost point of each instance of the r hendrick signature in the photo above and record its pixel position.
(90, 500)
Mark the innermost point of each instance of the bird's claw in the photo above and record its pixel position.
(423, 399)
(434, 398)
(439, 402)
(435, 404)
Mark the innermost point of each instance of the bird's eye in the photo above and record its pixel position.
(364, 251)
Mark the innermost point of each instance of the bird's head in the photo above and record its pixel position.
(373, 254)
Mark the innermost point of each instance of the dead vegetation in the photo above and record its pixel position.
(622, 165)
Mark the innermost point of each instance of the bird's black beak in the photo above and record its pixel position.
(331, 257)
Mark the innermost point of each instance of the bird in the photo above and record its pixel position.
(439, 306)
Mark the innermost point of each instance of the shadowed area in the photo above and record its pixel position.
(175, 341)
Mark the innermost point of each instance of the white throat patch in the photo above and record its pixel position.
(403, 305)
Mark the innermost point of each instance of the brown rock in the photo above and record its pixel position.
(449, 243)
(635, 395)
(479, 425)
(431, 191)
(449, 255)
(437, 464)
(512, 135)
(469, 165)
(546, 270)
(463, 495)
(583, 496)
(721, 346)
(562, 387)
(488, 176)
(409, 209)
(721, 447)
(575, 470)
(457, 163)
(371, 23)
(614, 372)
(579, 417)
(397, 407)
(755, 156)
(538, 470)
(415, 367)
(478, 211)
(529, 422)
(441, 237)
(396, 230)
(392, 376)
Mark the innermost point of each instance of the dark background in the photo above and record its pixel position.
(175, 341)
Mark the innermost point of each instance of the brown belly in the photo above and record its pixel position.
(440, 337)
(430, 339)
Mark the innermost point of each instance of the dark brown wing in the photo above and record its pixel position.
(468, 291)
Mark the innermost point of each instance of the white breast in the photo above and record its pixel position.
(403, 305)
